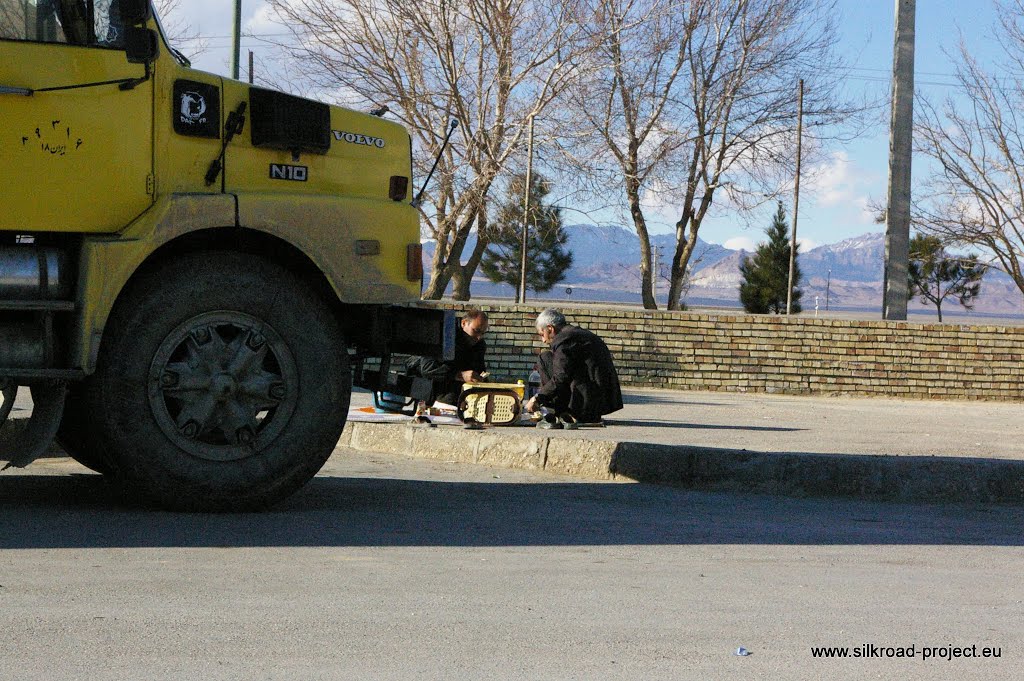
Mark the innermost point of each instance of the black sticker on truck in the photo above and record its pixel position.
(196, 109)
(281, 171)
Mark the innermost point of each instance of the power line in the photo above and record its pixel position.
(263, 38)
(868, 69)
(247, 35)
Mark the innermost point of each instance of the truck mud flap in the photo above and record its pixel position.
(27, 445)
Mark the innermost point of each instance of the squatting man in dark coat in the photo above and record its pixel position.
(578, 377)
(468, 366)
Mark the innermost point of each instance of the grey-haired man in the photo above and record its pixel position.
(578, 377)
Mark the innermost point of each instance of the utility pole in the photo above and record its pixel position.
(526, 216)
(236, 52)
(796, 195)
(654, 267)
(828, 285)
(250, 68)
(901, 128)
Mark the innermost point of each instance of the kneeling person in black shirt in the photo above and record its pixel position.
(466, 367)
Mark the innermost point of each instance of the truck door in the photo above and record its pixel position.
(75, 155)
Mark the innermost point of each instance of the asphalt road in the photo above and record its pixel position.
(389, 568)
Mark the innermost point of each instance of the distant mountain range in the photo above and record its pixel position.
(848, 274)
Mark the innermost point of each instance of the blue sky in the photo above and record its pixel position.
(835, 194)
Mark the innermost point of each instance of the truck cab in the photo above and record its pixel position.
(189, 265)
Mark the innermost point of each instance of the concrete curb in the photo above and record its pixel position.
(891, 478)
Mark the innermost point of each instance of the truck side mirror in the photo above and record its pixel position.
(140, 45)
(135, 12)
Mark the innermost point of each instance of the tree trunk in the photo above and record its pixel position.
(684, 249)
(448, 259)
(680, 260)
(439, 279)
(646, 277)
(462, 275)
(646, 280)
(439, 272)
(938, 308)
(460, 284)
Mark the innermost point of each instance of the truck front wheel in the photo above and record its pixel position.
(222, 383)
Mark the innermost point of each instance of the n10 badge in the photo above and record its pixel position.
(282, 171)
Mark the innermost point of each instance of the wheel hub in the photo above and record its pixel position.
(222, 385)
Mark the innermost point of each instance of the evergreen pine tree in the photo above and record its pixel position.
(547, 260)
(766, 274)
(933, 275)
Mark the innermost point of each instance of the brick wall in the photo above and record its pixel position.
(774, 354)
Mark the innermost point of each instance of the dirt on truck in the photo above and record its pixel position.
(192, 269)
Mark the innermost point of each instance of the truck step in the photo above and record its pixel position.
(38, 305)
(28, 376)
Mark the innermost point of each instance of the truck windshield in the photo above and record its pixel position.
(94, 23)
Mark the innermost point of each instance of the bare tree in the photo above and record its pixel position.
(489, 64)
(14, 20)
(18, 20)
(625, 100)
(694, 97)
(180, 33)
(976, 194)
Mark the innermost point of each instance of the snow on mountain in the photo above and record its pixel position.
(848, 274)
(859, 259)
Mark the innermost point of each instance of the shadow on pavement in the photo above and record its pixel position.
(635, 398)
(695, 426)
(81, 511)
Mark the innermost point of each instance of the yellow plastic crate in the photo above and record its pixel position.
(492, 403)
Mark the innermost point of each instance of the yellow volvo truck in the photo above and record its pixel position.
(190, 266)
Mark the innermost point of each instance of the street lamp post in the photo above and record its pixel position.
(526, 216)
(796, 196)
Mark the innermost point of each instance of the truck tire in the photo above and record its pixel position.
(78, 435)
(222, 383)
(8, 391)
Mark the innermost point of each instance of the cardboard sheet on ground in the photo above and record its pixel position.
(447, 417)
(371, 415)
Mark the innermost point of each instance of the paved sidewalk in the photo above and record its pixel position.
(826, 425)
(906, 450)
(816, 446)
